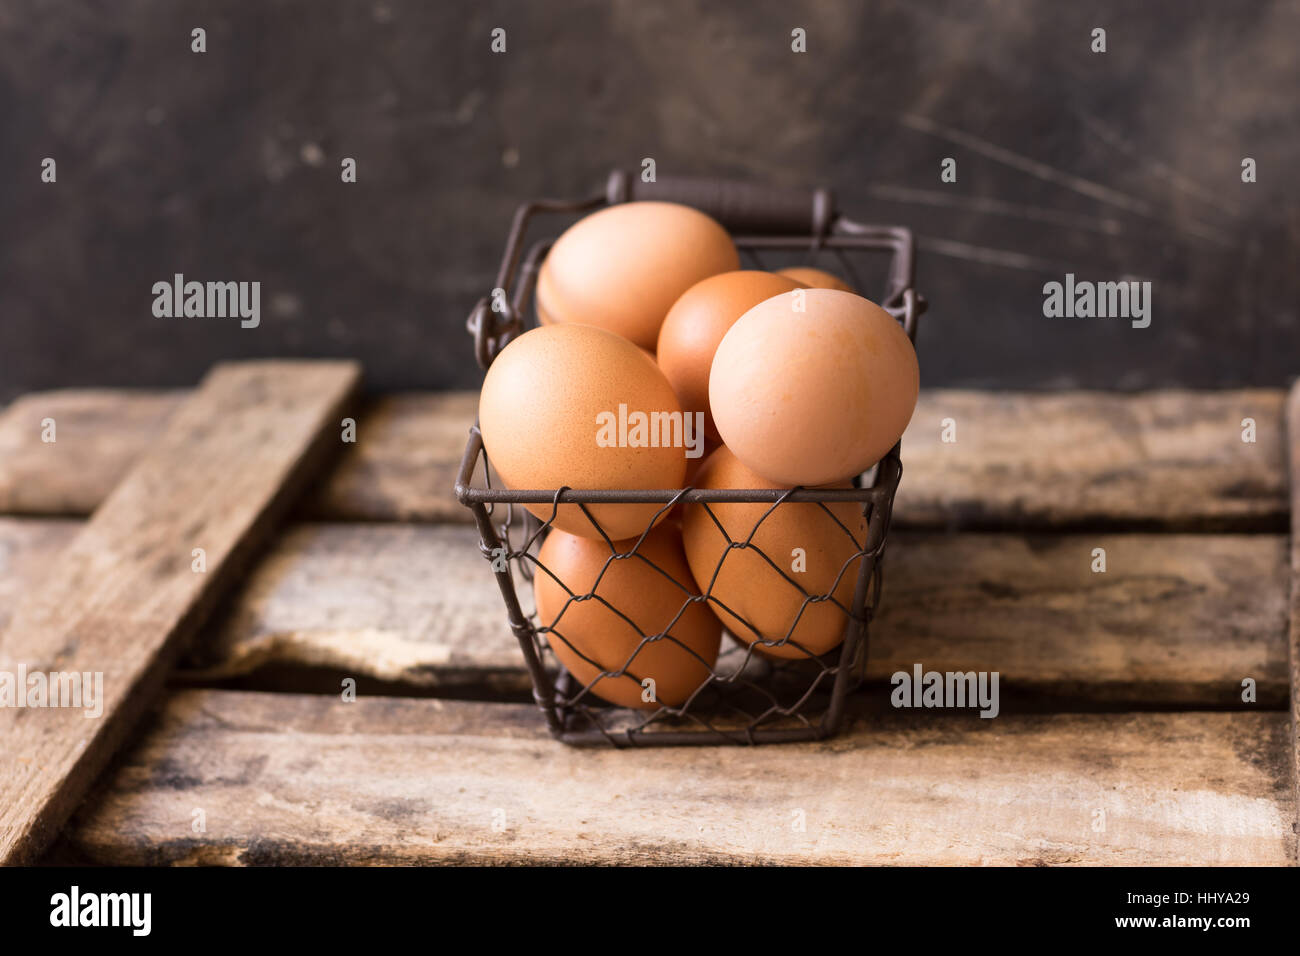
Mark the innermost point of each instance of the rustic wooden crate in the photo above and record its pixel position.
(1121, 692)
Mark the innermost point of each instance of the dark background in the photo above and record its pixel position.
(225, 166)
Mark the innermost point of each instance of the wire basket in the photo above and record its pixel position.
(768, 687)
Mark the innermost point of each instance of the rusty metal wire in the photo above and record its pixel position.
(748, 697)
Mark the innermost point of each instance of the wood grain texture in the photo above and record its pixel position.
(1176, 620)
(29, 548)
(100, 434)
(1293, 643)
(1160, 461)
(402, 466)
(404, 463)
(1170, 460)
(123, 595)
(411, 604)
(284, 779)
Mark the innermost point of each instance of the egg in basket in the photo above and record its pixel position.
(706, 456)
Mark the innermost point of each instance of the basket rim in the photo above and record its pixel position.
(888, 473)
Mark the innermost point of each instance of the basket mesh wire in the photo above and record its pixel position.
(747, 696)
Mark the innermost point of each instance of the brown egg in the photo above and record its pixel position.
(816, 278)
(545, 412)
(590, 638)
(698, 321)
(623, 267)
(543, 319)
(813, 386)
(755, 600)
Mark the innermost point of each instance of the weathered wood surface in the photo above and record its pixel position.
(1161, 460)
(99, 435)
(411, 604)
(1176, 620)
(402, 466)
(28, 549)
(289, 779)
(124, 595)
(1293, 444)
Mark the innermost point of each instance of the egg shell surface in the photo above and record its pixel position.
(621, 268)
(813, 396)
(591, 638)
(697, 323)
(756, 602)
(540, 413)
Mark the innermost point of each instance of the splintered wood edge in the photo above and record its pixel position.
(55, 758)
(1163, 460)
(310, 779)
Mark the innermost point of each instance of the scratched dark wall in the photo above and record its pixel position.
(225, 165)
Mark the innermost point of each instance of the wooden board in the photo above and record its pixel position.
(293, 779)
(100, 434)
(29, 548)
(1171, 460)
(1176, 620)
(1159, 460)
(124, 594)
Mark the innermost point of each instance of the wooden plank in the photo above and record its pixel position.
(1293, 642)
(29, 548)
(1158, 461)
(124, 594)
(401, 467)
(412, 604)
(308, 779)
(1169, 460)
(1176, 620)
(404, 463)
(99, 434)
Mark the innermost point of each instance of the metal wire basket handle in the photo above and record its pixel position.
(742, 207)
(759, 215)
